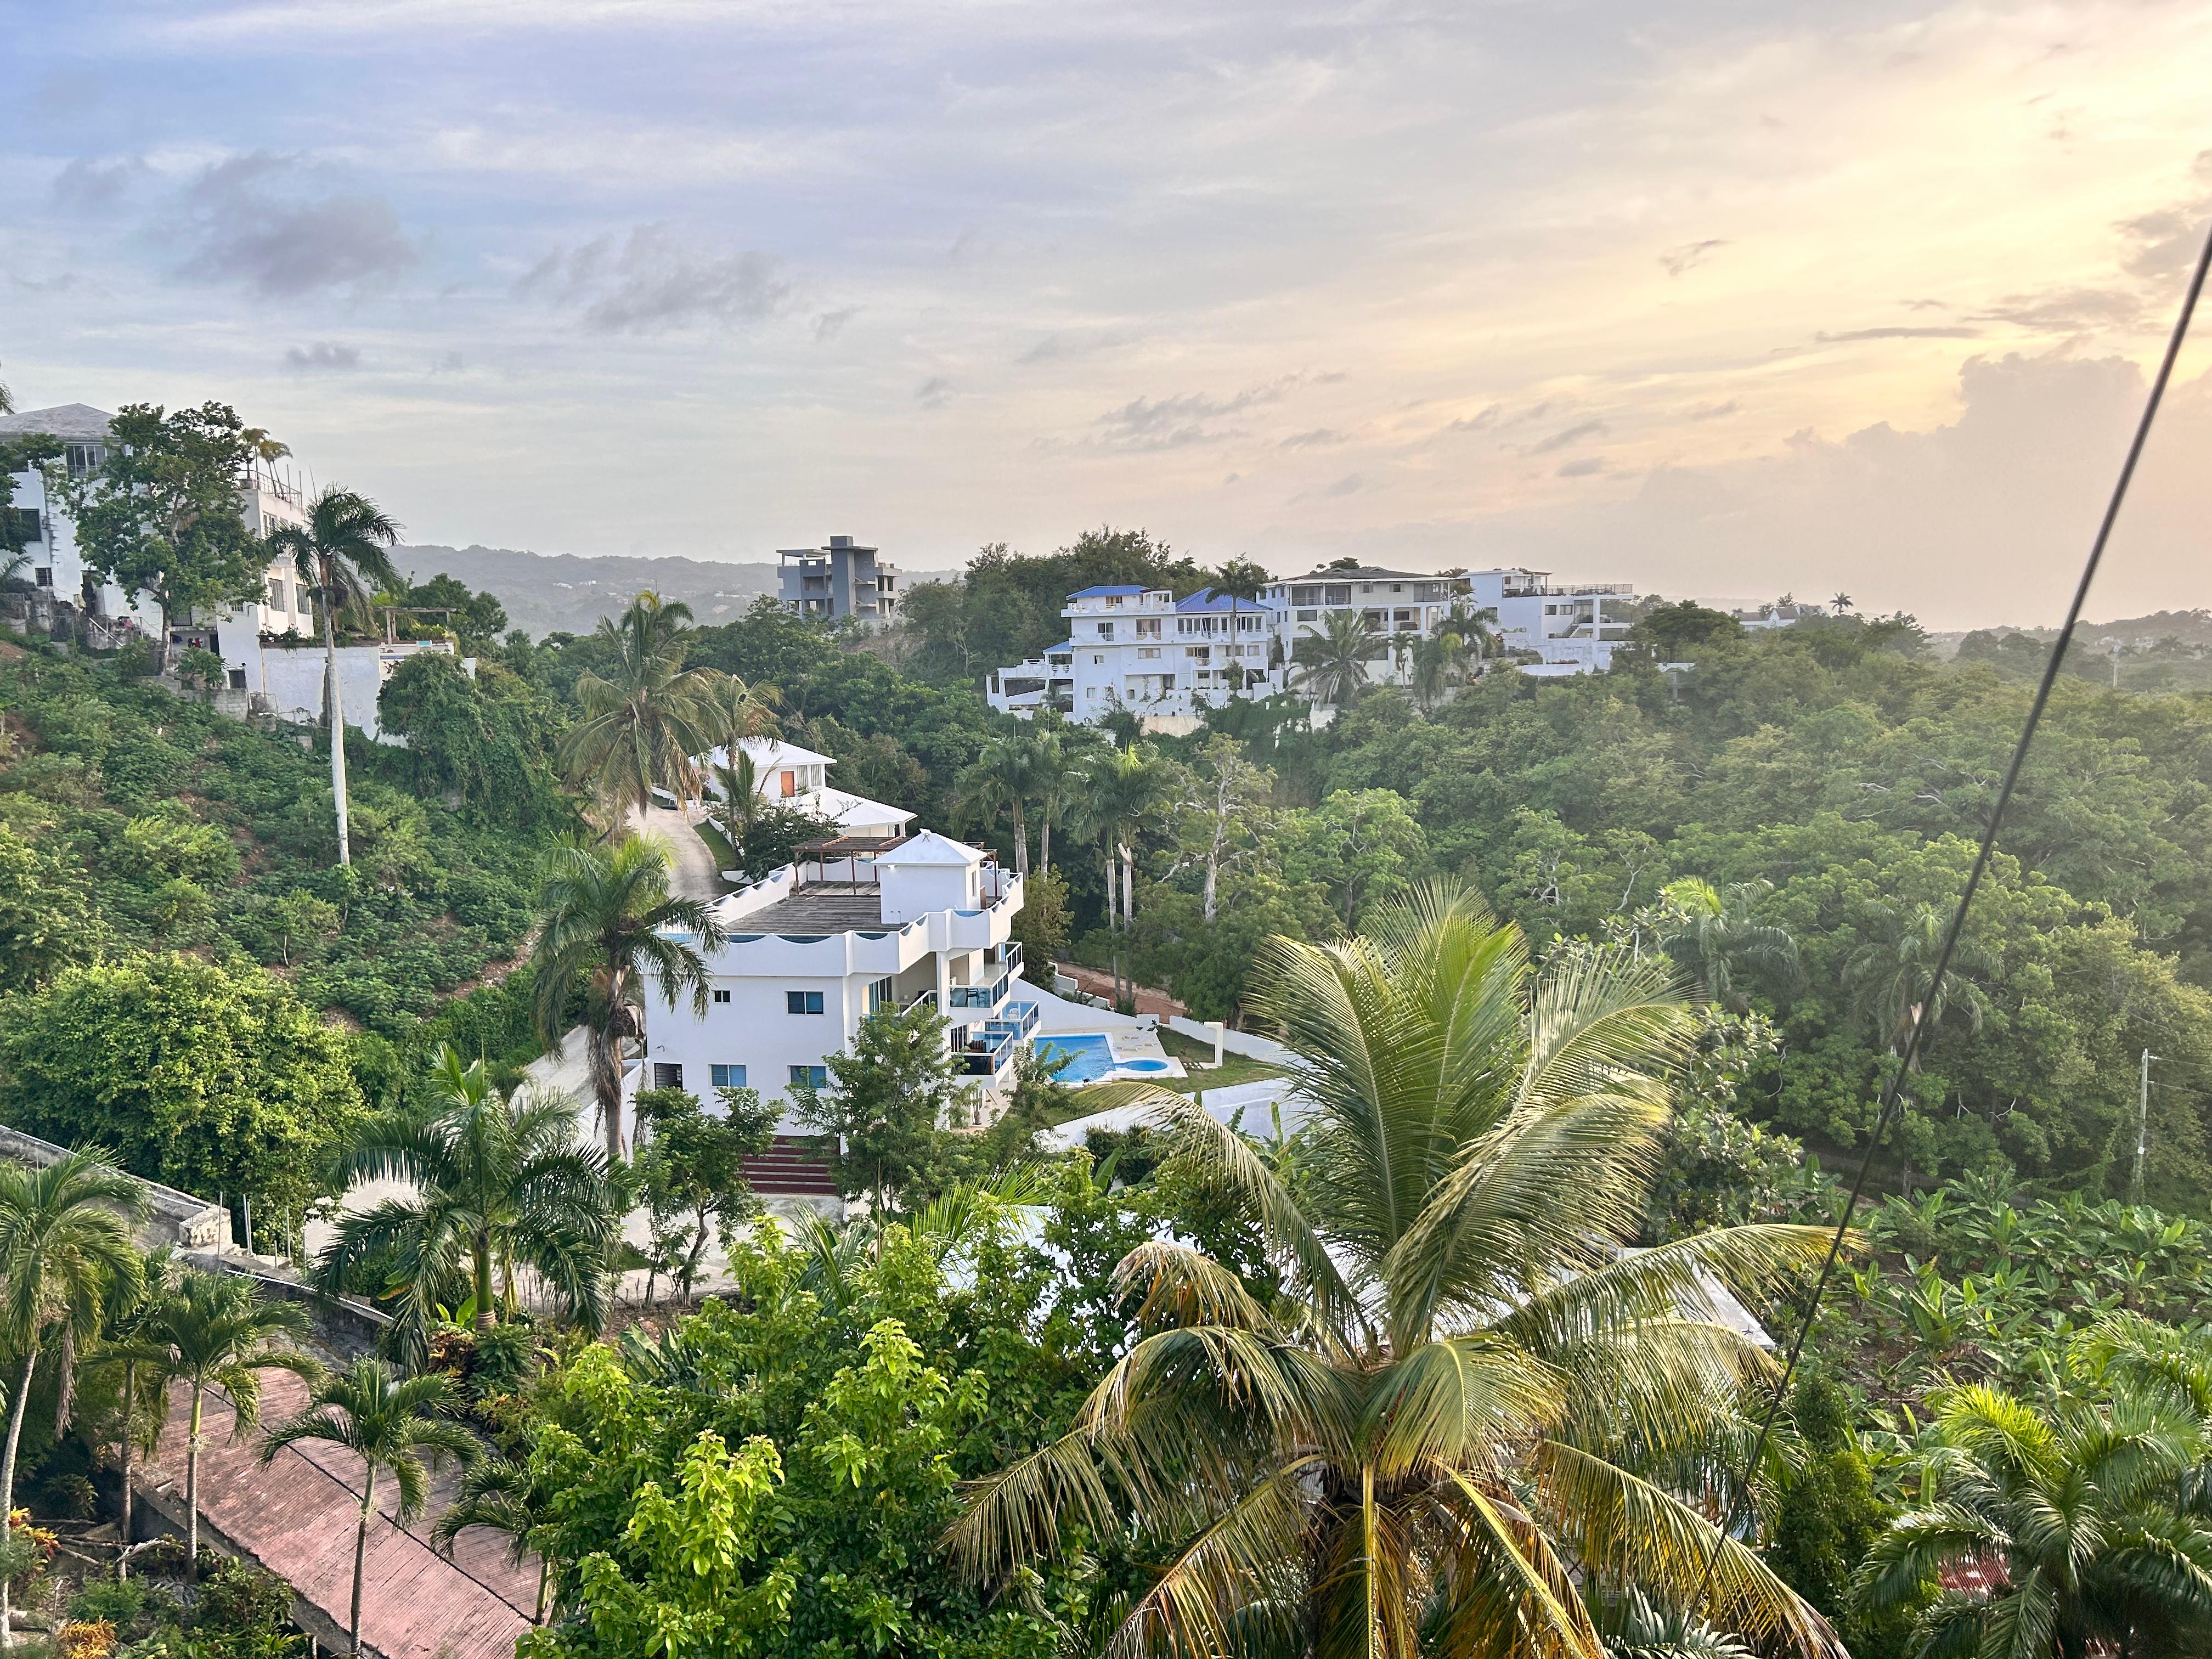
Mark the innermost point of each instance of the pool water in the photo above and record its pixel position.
(1144, 1066)
(1090, 1056)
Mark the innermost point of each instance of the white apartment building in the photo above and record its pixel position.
(1144, 650)
(1164, 659)
(266, 500)
(860, 925)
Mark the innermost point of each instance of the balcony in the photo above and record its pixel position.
(982, 996)
(987, 1053)
(1015, 1019)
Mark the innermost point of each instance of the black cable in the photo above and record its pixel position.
(1892, 1090)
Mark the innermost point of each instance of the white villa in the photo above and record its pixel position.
(784, 774)
(858, 925)
(1165, 658)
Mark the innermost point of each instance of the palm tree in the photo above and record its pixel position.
(2086, 1525)
(344, 553)
(1242, 578)
(388, 1424)
(1893, 976)
(499, 1494)
(608, 918)
(1468, 1403)
(645, 720)
(1118, 793)
(1334, 662)
(215, 1330)
(1008, 773)
(130, 1315)
(1054, 785)
(497, 1181)
(1710, 933)
(65, 1257)
(738, 781)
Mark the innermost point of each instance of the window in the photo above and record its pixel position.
(1091, 692)
(1148, 627)
(1309, 615)
(666, 1076)
(879, 995)
(1098, 660)
(721, 996)
(1148, 651)
(727, 1076)
(85, 458)
(238, 679)
(46, 576)
(1305, 596)
(790, 784)
(1397, 588)
(1336, 593)
(26, 523)
(1105, 630)
(802, 1002)
(810, 1077)
(1167, 682)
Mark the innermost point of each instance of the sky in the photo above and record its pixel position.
(1740, 300)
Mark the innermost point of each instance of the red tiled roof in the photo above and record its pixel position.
(295, 1517)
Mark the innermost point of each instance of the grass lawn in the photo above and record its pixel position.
(1234, 1069)
(726, 856)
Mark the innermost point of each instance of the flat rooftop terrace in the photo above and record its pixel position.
(829, 907)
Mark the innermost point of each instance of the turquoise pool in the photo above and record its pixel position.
(1090, 1056)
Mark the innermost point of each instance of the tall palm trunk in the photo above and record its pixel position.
(337, 711)
(1021, 840)
(1044, 843)
(15, 1410)
(1113, 894)
(483, 1281)
(1129, 885)
(192, 1492)
(361, 1547)
(605, 1048)
(129, 1395)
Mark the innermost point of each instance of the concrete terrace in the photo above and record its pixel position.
(295, 1517)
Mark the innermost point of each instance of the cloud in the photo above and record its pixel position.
(448, 363)
(323, 358)
(2163, 244)
(1931, 334)
(1712, 411)
(1320, 438)
(1479, 423)
(932, 392)
(1073, 346)
(1690, 255)
(2067, 311)
(1150, 423)
(830, 324)
(651, 281)
(255, 225)
(1567, 439)
(96, 185)
(1588, 466)
(1350, 484)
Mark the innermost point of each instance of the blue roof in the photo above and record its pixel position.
(1107, 593)
(1209, 599)
(1065, 645)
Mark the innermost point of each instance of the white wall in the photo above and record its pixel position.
(292, 677)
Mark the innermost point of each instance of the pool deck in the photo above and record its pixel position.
(1122, 1047)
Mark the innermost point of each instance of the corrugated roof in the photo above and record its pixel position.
(1106, 592)
(1212, 600)
(295, 1517)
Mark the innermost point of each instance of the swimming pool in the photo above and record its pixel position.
(1089, 1055)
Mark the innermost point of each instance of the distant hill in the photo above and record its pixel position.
(561, 593)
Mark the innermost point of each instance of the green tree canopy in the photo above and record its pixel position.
(196, 1075)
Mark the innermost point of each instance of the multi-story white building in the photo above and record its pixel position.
(859, 925)
(1144, 650)
(1163, 659)
(266, 500)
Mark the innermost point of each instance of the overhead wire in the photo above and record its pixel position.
(1892, 1090)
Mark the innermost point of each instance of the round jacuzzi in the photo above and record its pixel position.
(1142, 1065)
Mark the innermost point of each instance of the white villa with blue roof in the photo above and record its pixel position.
(1142, 649)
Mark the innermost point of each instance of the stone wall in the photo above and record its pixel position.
(172, 1217)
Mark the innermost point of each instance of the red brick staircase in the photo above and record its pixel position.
(794, 1166)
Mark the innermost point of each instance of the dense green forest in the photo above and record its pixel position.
(1730, 879)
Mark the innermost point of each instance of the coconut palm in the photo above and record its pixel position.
(736, 779)
(498, 1495)
(1709, 932)
(130, 1315)
(1333, 664)
(1469, 1407)
(1118, 793)
(1242, 578)
(1054, 784)
(388, 1424)
(497, 1181)
(214, 1330)
(608, 919)
(2087, 1525)
(65, 1258)
(1006, 775)
(344, 553)
(648, 715)
(1891, 977)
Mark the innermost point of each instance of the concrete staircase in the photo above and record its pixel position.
(794, 1166)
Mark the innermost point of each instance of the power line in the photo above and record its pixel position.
(1892, 1090)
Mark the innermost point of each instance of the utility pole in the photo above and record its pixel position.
(2142, 1130)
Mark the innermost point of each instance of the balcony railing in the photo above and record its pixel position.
(988, 1053)
(1015, 1019)
(981, 996)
